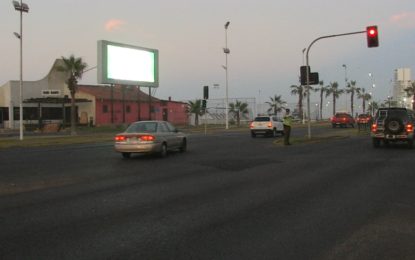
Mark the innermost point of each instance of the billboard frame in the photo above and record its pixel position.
(102, 65)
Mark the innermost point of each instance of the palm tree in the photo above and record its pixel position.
(373, 106)
(239, 109)
(352, 89)
(300, 91)
(323, 90)
(333, 89)
(410, 92)
(365, 97)
(74, 67)
(196, 108)
(275, 104)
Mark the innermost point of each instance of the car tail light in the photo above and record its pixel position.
(147, 138)
(374, 128)
(120, 138)
(409, 128)
(269, 125)
(251, 125)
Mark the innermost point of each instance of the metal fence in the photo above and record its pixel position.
(216, 111)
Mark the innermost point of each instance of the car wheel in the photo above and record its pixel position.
(183, 147)
(126, 155)
(163, 150)
(333, 125)
(352, 125)
(375, 142)
(253, 135)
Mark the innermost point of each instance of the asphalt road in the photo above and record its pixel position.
(229, 197)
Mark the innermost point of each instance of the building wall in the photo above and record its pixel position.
(402, 80)
(176, 112)
(86, 110)
(10, 92)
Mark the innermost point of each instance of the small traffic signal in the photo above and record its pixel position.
(206, 92)
(203, 104)
(372, 36)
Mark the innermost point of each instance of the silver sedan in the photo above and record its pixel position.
(150, 137)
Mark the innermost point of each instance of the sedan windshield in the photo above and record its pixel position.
(262, 119)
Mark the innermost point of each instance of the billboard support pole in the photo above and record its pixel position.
(138, 104)
(112, 103)
(149, 103)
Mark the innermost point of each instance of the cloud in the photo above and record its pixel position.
(114, 24)
(405, 19)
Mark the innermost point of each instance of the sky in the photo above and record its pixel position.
(265, 37)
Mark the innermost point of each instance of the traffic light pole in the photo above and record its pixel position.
(308, 73)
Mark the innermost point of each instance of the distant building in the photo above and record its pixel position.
(49, 100)
(402, 80)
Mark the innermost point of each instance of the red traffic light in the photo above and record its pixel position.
(372, 32)
(372, 36)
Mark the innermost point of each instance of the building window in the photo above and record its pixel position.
(104, 109)
(128, 109)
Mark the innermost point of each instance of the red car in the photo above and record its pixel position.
(364, 119)
(342, 120)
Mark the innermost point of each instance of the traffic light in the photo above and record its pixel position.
(372, 36)
(312, 76)
(206, 92)
(203, 104)
(303, 74)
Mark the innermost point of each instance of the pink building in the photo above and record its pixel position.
(125, 104)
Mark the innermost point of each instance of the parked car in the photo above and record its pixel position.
(393, 124)
(150, 137)
(266, 125)
(342, 120)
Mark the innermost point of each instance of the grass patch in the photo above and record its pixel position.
(33, 141)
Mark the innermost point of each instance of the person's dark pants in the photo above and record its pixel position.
(287, 132)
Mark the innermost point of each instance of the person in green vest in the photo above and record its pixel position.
(287, 121)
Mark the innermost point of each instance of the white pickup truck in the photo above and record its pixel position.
(266, 125)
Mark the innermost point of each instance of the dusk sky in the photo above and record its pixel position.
(265, 37)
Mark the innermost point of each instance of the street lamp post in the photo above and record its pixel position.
(345, 81)
(373, 91)
(303, 89)
(21, 7)
(226, 51)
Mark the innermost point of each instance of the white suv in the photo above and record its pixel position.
(266, 125)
